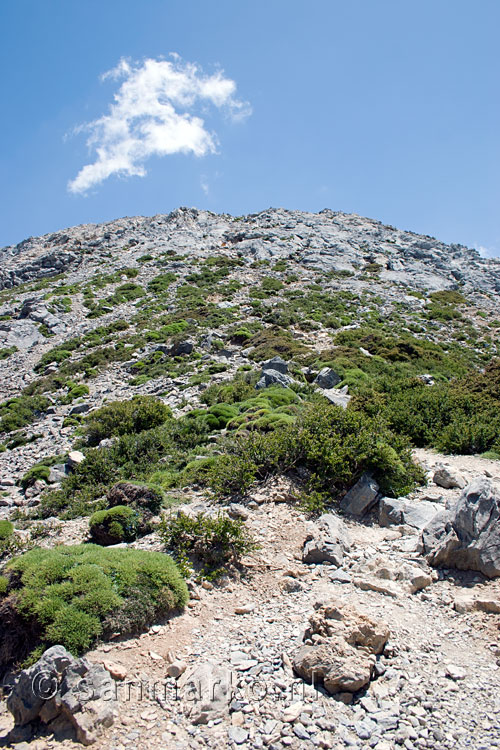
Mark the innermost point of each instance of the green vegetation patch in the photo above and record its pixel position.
(125, 417)
(114, 525)
(20, 411)
(212, 541)
(76, 595)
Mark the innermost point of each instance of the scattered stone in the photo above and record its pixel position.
(75, 458)
(205, 691)
(292, 713)
(455, 672)
(448, 478)
(360, 498)
(237, 734)
(176, 668)
(375, 584)
(117, 671)
(327, 541)
(337, 396)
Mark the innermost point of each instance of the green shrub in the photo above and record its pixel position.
(75, 390)
(239, 389)
(6, 530)
(275, 341)
(39, 471)
(5, 353)
(124, 417)
(126, 293)
(448, 297)
(462, 416)
(161, 283)
(115, 525)
(214, 542)
(20, 411)
(334, 445)
(74, 595)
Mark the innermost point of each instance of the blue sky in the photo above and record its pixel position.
(385, 108)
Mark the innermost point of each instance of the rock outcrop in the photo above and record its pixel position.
(467, 535)
(64, 693)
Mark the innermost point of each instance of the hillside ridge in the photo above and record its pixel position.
(328, 240)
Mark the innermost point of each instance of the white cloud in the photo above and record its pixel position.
(204, 185)
(486, 252)
(152, 114)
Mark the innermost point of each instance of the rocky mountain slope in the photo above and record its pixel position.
(331, 386)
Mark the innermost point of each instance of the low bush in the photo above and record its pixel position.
(20, 411)
(462, 416)
(335, 446)
(275, 341)
(124, 417)
(6, 530)
(215, 542)
(75, 390)
(5, 353)
(161, 283)
(115, 525)
(37, 472)
(75, 595)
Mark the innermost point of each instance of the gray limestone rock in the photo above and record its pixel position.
(273, 377)
(276, 364)
(206, 692)
(327, 378)
(66, 694)
(327, 542)
(360, 498)
(467, 535)
(402, 512)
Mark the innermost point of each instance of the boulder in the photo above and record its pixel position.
(20, 333)
(75, 458)
(273, 377)
(467, 535)
(448, 478)
(327, 378)
(361, 497)
(181, 347)
(57, 473)
(336, 665)
(402, 512)
(79, 409)
(66, 694)
(346, 644)
(327, 541)
(276, 363)
(337, 396)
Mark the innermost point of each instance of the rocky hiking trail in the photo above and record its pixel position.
(436, 684)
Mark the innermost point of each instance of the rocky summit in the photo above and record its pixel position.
(249, 486)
